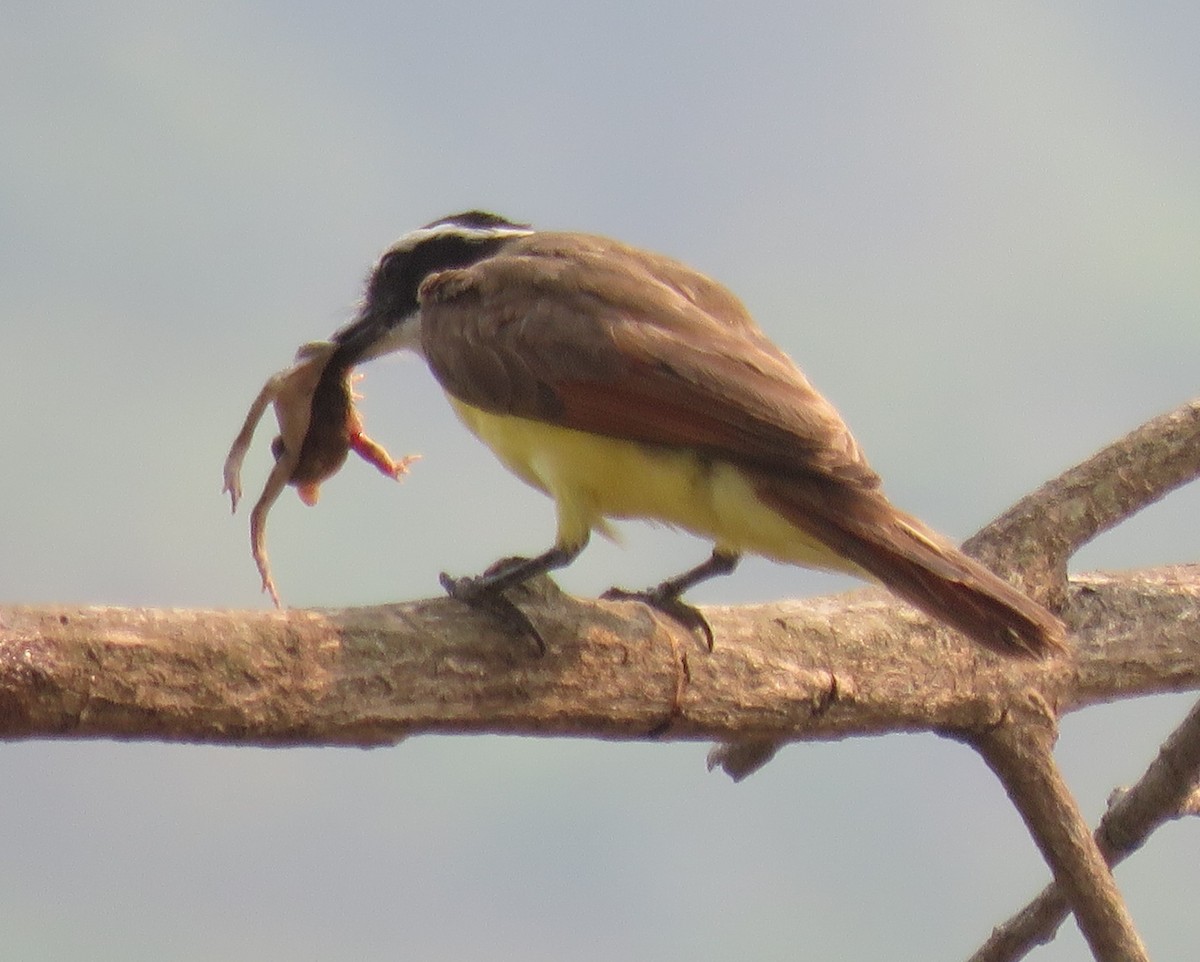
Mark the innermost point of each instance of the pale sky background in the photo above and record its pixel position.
(975, 226)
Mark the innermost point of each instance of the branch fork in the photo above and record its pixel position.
(824, 668)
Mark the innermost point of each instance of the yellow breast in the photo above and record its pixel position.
(592, 477)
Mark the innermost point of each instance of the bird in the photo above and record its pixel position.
(624, 384)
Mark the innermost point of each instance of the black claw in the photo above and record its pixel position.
(670, 605)
(482, 597)
(465, 590)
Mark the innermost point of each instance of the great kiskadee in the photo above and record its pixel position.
(624, 384)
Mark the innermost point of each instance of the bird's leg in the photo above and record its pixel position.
(486, 591)
(666, 596)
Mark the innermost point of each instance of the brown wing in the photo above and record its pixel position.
(591, 334)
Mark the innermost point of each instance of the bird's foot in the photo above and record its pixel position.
(671, 605)
(481, 594)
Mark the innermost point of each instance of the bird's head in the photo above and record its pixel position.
(388, 316)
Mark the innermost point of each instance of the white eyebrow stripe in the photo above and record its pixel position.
(413, 239)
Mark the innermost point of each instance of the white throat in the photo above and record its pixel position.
(405, 336)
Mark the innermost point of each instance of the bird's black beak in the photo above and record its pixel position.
(377, 332)
(360, 340)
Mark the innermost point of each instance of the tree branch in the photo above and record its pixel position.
(861, 663)
(1020, 753)
(1169, 789)
(817, 669)
(1033, 541)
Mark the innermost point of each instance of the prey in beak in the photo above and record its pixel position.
(319, 426)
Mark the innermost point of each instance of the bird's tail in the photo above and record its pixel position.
(919, 565)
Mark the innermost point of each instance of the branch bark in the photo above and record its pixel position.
(1020, 753)
(817, 669)
(1033, 541)
(1169, 789)
(860, 663)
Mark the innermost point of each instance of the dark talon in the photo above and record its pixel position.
(465, 590)
(484, 597)
(670, 605)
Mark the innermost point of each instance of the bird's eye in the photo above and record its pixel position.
(278, 448)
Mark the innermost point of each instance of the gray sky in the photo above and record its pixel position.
(976, 227)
